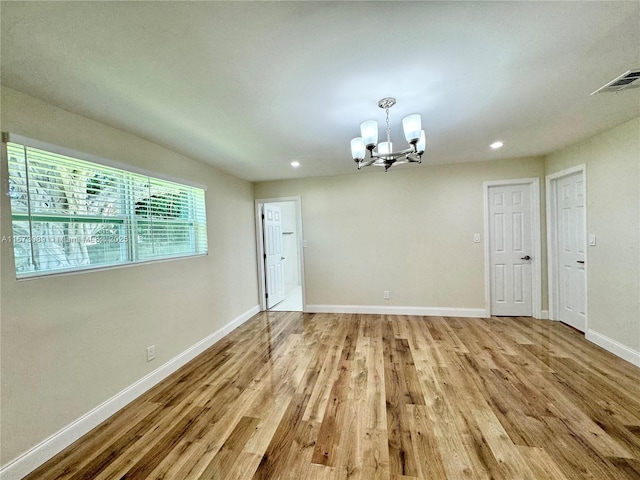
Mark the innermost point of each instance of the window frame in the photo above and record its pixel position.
(127, 222)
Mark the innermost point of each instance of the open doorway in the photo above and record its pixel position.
(280, 254)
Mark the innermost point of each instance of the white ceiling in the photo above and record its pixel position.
(251, 86)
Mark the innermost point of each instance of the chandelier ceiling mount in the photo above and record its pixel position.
(386, 102)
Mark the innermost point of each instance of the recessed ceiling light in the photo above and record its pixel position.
(295, 164)
(496, 145)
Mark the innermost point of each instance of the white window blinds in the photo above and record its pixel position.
(70, 214)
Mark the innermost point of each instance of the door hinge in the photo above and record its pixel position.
(266, 295)
(265, 256)
(263, 216)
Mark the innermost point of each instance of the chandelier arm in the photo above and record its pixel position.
(365, 163)
(394, 155)
(410, 158)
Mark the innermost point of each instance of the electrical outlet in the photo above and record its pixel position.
(476, 238)
(386, 295)
(151, 353)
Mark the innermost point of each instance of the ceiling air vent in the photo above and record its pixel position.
(629, 79)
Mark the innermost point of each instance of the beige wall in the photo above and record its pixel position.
(612, 162)
(71, 342)
(409, 231)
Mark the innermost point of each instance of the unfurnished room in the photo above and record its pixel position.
(309, 240)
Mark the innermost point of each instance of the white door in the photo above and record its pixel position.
(509, 209)
(274, 254)
(571, 250)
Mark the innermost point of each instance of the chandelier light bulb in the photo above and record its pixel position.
(412, 126)
(357, 148)
(369, 131)
(385, 148)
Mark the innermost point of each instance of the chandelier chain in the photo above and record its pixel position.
(388, 129)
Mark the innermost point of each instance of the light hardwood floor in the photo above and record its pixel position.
(326, 396)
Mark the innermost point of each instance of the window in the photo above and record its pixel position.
(70, 214)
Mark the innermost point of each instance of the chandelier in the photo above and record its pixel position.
(382, 154)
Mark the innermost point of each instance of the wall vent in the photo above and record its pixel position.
(629, 79)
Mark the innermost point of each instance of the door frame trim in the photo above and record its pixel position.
(552, 238)
(259, 202)
(536, 264)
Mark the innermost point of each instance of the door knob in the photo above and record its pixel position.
(526, 257)
(281, 258)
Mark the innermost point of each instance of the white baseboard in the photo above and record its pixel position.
(388, 310)
(36, 456)
(622, 351)
(544, 315)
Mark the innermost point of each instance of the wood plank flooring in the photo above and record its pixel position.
(325, 396)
